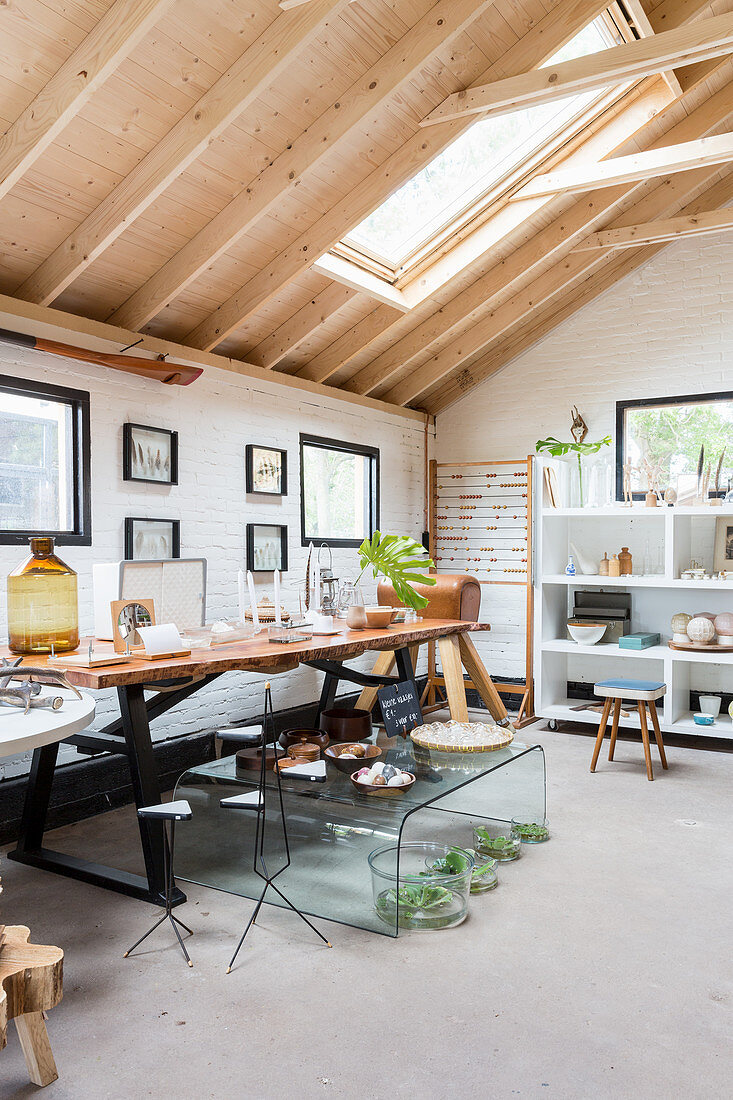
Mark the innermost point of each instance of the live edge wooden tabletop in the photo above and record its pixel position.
(262, 656)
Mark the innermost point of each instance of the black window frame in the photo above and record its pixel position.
(81, 535)
(645, 402)
(373, 490)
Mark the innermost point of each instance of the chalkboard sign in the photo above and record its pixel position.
(400, 708)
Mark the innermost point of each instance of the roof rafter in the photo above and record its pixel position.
(265, 193)
(522, 336)
(545, 38)
(108, 43)
(256, 70)
(343, 350)
(300, 326)
(643, 24)
(683, 46)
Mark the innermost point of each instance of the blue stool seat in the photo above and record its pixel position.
(630, 689)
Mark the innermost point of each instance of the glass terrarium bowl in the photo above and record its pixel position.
(498, 840)
(532, 830)
(423, 898)
(483, 876)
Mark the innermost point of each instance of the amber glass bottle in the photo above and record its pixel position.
(43, 607)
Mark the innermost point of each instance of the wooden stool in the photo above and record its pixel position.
(31, 983)
(644, 692)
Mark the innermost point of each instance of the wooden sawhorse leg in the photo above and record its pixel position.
(455, 688)
(480, 679)
(383, 666)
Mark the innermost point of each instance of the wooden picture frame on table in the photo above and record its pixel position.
(149, 454)
(266, 470)
(267, 547)
(723, 553)
(152, 539)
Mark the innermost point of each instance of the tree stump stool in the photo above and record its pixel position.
(31, 983)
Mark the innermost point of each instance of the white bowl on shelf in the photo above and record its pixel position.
(586, 633)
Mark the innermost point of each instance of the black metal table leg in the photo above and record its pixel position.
(404, 664)
(328, 696)
(146, 788)
(37, 797)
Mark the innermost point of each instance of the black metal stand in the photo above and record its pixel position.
(168, 849)
(260, 863)
(136, 746)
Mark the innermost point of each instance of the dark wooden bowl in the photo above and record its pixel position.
(346, 724)
(310, 736)
(333, 753)
(384, 792)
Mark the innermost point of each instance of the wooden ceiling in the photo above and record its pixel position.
(174, 169)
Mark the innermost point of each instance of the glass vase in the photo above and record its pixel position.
(43, 606)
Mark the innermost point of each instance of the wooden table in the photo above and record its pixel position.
(174, 680)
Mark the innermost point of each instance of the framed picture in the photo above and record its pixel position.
(152, 538)
(267, 547)
(149, 454)
(723, 556)
(267, 470)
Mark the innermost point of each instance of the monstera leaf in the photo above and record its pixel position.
(397, 557)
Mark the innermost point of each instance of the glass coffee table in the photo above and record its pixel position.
(333, 828)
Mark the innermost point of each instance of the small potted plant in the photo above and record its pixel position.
(400, 560)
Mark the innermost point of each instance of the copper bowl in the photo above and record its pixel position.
(333, 754)
(384, 792)
(297, 736)
(346, 724)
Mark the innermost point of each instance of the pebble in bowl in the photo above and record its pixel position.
(382, 779)
(586, 633)
(350, 758)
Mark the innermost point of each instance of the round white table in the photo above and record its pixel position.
(20, 732)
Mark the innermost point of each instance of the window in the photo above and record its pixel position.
(44, 462)
(473, 164)
(661, 438)
(339, 491)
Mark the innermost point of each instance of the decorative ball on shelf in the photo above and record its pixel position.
(679, 627)
(705, 615)
(700, 630)
(724, 627)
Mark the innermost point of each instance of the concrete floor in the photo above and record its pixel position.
(599, 968)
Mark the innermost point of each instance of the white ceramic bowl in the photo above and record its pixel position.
(587, 633)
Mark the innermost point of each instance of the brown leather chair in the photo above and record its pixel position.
(453, 596)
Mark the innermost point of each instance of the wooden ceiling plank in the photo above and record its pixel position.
(683, 46)
(638, 166)
(667, 229)
(262, 64)
(343, 350)
(94, 59)
(558, 237)
(300, 326)
(401, 64)
(548, 36)
(53, 324)
(526, 335)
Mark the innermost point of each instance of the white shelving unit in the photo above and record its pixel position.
(672, 537)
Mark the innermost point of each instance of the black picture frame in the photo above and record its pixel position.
(130, 466)
(130, 537)
(646, 402)
(252, 563)
(372, 494)
(78, 400)
(249, 466)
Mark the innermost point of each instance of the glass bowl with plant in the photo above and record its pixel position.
(483, 876)
(409, 893)
(580, 449)
(498, 840)
(532, 830)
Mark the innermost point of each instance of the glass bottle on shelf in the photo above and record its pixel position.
(43, 606)
(351, 605)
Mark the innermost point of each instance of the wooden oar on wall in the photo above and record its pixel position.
(170, 374)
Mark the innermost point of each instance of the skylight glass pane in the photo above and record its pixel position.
(468, 167)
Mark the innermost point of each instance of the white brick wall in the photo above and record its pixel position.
(665, 329)
(215, 418)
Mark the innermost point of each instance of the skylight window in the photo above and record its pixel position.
(471, 165)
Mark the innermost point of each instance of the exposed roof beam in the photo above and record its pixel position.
(107, 44)
(399, 65)
(639, 166)
(639, 18)
(259, 67)
(342, 351)
(300, 326)
(545, 38)
(68, 328)
(524, 334)
(683, 46)
(668, 229)
(502, 280)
